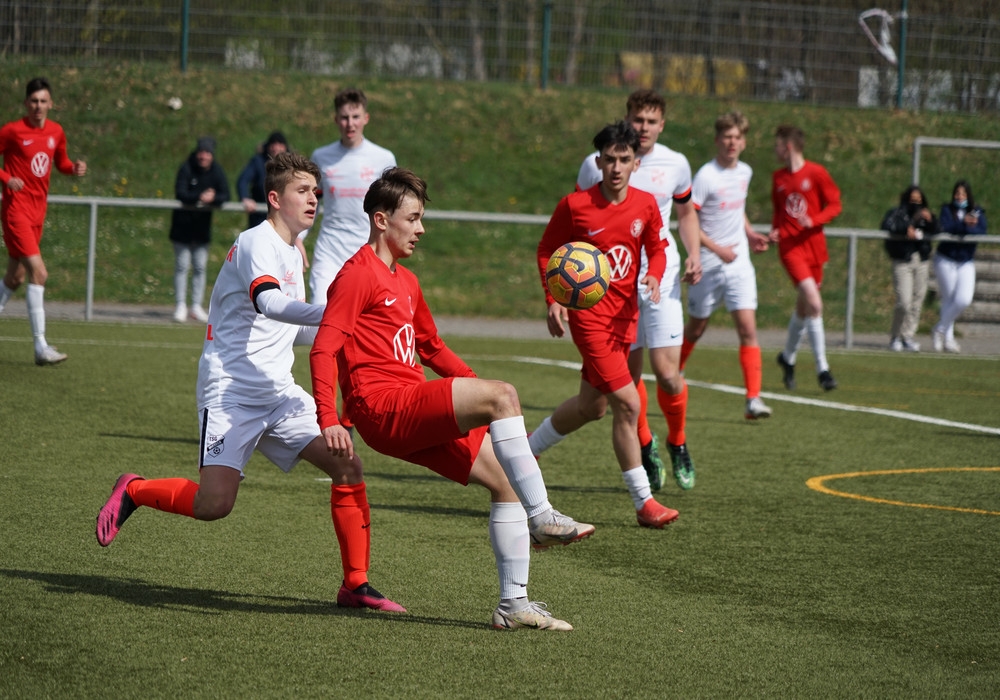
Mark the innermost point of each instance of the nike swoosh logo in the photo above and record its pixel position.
(27, 142)
(365, 527)
(389, 302)
(594, 233)
(675, 335)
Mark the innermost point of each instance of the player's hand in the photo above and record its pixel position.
(15, 184)
(692, 271)
(79, 168)
(652, 286)
(208, 196)
(806, 221)
(727, 253)
(774, 235)
(758, 243)
(557, 318)
(338, 441)
(249, 205)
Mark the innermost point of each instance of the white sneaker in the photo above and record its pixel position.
(198, 314)
(535, 616)
(181, 313)
(911, 345)
(896, 345)
(49, 356)
(937, 341)
(951, 346)
(756, 408)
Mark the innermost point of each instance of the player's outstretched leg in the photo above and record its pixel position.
(116, 510)
(365, 596)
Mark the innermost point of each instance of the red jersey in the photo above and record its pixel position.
(29, 154)
(621, 231)
(810, 191)
(377, 326)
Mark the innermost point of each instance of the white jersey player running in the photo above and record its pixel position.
(666, 175)
(719, 194)
(348, 167)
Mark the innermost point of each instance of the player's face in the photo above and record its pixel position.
(297, 202)
(404, 227)
(781, 151)
(648, 123)
(38, 105)
(730, 144)
(351, 120)
(616, 166)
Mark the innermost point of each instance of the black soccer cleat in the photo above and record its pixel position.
(827, 381)
(788, 371)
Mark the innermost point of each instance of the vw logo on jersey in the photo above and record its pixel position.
(796, 205)
(636, 228)
(620, 260)
(403, 348)
(40, 164)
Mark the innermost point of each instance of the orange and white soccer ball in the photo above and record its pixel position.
(578, 275)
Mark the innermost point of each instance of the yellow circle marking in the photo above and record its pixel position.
(818, 483)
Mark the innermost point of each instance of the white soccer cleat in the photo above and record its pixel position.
(49, 356)
(756, 408)
(534, 617)
(556, 528)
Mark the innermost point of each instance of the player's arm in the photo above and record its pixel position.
(758, 242)
(656, 253)
(271, 302)
(323, 367)
(829, 196)
(689, 229)
(557, 232)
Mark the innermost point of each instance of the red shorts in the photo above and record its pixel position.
(417, 424)
(21, 236)
(805, 258)
(605, 362)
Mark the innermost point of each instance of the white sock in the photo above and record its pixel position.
(511, 547)
(796, 327)
(817, 341)
(638, 485)
(36, 315)
(510, 444)
(5, 293)
(544, 437)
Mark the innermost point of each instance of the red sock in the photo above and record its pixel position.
(687, 347)
(645, 435)
(750, 362)
(168, 495)
(674, 408)
(352, 521)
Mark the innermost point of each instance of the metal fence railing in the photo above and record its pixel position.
(940, 55)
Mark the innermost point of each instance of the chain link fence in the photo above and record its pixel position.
(944, 57)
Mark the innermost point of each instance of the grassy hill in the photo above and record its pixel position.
(481, 147)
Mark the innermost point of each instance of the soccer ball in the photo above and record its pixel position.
(577, 275)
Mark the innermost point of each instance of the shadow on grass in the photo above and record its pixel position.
(207, 601)
(150, 438)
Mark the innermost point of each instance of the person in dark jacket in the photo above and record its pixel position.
(909, 225)
(201, 186)
(953, 265)
(250, 184)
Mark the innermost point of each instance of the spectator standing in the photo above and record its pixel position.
(201, 186)
(910, 226)
(954, 267)
(250, 184)
(31, 146)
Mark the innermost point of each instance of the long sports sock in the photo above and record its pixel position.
(817, 341)
(352, 522)
(750, 362)
(511, 547)
(36, 315)
(544, 437)
(674, 407)
(796, 327)
(687, 347)
(645, 434)
(510, 444)
(5, 293)
(637, 483)
(169, 495)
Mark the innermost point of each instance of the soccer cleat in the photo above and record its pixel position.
(653, 514)
(896, 345)
(937, 341)
(683, 465)
(49, 356)
(827, 381)
(365, 596)
(198, 314)
(555, 529)
(788, 371)
(653, 464)
(116, 510)
(910, 345)
(951, 346)
(756, 408)
(535, 617)
(180, 313)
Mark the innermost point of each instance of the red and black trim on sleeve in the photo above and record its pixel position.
(262, 284)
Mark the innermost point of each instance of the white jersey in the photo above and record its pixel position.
(346, 175)
(665, 174)
(247, 357)
(720, 196)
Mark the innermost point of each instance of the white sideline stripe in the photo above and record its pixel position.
(802, 401)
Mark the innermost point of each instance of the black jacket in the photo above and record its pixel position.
(194, 227)
(896, 222)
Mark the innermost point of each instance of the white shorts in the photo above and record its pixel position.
(734, 285)
(280, 430)
(661, 325)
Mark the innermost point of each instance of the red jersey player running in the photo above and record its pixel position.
(247, 397)
(31, 147)
(376, 331)
(621, 221)
(804, 197)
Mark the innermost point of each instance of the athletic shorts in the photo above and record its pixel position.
(280, 430)
(605, 362)
(733, 284)
(805, 259)
(22, 237)
(417, 424)
(661, 325)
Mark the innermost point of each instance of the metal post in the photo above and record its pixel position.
(88, 311)
(185, 26)
(546, 32)
(901, 65)
(852, 278)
